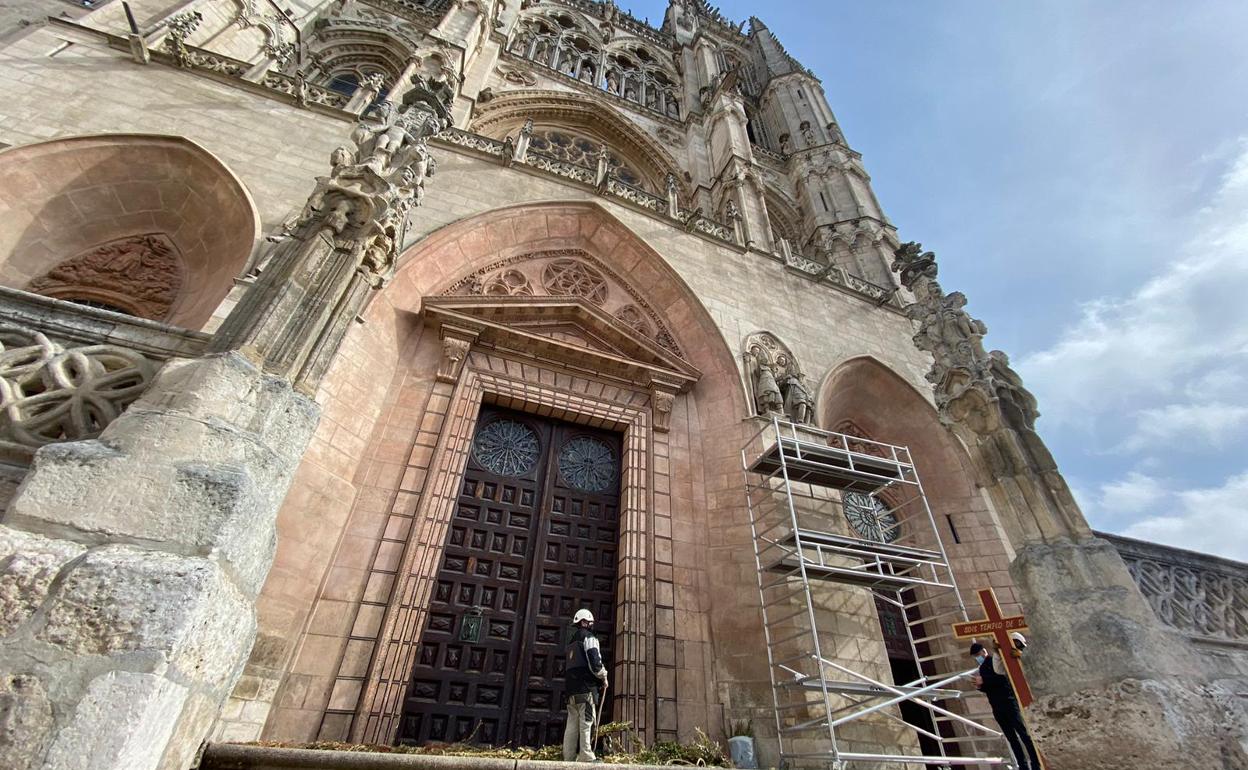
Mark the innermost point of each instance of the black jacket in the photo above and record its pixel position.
(582, 662)
(996, 686)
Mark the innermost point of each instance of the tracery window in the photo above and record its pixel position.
(630, 72)
(588, 464)
(571, 148)
(506, 447)
(870, 518)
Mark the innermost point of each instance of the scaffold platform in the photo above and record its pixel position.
(797, 479)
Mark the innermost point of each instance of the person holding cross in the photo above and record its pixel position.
(993, 681)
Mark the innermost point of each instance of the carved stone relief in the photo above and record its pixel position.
(570, 273)
(140, 274)
(50, 392)
(574, 278)
(777, 385)
(1202, 602)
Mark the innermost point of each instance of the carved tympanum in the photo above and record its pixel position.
(51, 393)
(574, 278)
(139, 274)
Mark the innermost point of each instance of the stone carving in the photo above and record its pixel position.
(270, 22)
(508, 283)
(140, 274)
(776, 381)
(1201, 602)
(345, 242)
(532, 268)
(454, 354)
(969, 381)
(662, 401)
(50, 392)
(574, 278)
(632, 317)
(180, 27)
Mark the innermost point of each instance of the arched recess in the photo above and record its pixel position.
(506, 113)
(382, 421)
(154, 226)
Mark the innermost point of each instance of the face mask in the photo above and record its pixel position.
(980, 659)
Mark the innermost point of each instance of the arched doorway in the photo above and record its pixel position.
(612, 340)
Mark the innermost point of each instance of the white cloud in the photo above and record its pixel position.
(1186, 427)
(1178, 339)
(1209, 520)
(1132, 494)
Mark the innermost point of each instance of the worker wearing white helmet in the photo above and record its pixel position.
(583, 672)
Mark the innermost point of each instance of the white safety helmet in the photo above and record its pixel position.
(582, 615)
(1019, 639)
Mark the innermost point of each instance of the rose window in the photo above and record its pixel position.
(588, 464)
(572, 278)
(870, 518)
(506, 447)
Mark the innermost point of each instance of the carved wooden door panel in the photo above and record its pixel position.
(575, 569)
(533, 539)
(462, 688)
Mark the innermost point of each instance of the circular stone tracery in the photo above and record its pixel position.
(506, 447)
(588, 464)
(573, 278)
(870, 518)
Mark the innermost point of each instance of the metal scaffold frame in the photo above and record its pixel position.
(788, 485)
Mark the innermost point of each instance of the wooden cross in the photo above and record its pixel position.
(999, 627)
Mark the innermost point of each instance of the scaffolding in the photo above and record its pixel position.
(794, 486)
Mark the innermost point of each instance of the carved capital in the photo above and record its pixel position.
(456, 342)
(662, 399)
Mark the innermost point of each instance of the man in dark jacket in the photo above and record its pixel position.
(993, 682)
(583, 671)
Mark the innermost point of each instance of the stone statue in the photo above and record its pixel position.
(673, 195)
(767, 396)
(344, 243)
(808, 134)
(798, 404)
(786, 145)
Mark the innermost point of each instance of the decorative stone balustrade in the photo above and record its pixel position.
(1203, 596)
(67, 371)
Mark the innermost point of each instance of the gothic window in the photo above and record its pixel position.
(346, 83)
(506, 447)
(870, 517)
(571, 148)
(573, 278)
(588, 464)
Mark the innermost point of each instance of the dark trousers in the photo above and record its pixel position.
(1011, 721)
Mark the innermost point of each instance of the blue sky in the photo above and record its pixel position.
(1080, 169)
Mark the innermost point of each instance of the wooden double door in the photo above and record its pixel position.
(533, 539)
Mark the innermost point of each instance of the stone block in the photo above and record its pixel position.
(175, 611)
(29, 565)
(126, 719)
(25, 722)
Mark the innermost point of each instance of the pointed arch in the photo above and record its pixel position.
(506, 113)
(151, 225)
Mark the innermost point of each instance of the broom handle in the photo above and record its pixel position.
(598, 715)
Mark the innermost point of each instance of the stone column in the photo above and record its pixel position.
(1115, 689)
(130, 564)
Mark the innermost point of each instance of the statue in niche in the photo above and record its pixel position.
(798, 404)
(786, 145)
(767, 396)
(808, 134)
(613, 82)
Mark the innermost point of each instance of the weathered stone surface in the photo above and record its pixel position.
(25, 721)
(28, 564)
(125, 720)
(1115, 688)
(182, 611)
(211, 444)
(1136, 723)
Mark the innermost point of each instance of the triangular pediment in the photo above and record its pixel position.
(566, 329)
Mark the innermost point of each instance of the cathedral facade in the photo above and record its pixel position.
(350, 347)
